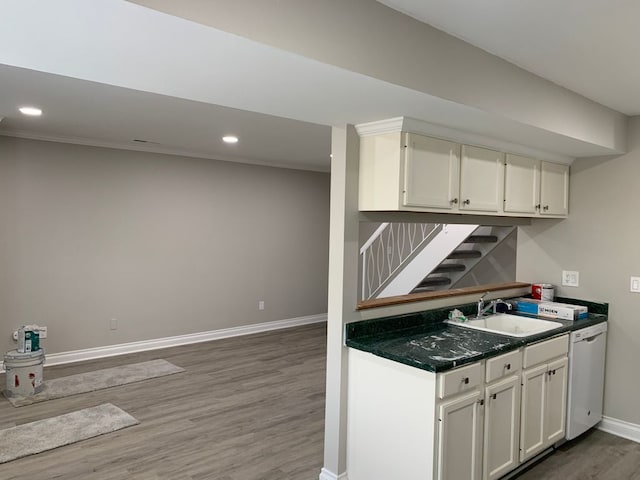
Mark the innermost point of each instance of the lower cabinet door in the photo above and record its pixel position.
(556, 400)
(501, 427)
(460, 423)
(532, 415)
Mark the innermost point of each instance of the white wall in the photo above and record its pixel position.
(600, 240)
(166, 245)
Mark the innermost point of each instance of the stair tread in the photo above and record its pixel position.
(433, 281)
(423, 289)
(481, 239)
(464, 254)
(449, 267)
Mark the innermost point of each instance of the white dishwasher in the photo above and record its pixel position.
(587, 348)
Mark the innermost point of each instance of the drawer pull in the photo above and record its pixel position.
(508, 366)
(465, 380)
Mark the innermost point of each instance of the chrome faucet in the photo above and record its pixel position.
(482, 309)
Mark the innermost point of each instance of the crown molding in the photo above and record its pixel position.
(151, 148)
(420, 127)
(380, 127)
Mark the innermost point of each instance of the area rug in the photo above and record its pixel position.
(97, 380)
(50, 433)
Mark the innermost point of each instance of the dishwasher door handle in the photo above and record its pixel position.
(593, 338)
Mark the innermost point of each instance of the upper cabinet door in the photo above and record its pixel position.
(481, 179)
(521, 185)
(554, 189)
(431, 173)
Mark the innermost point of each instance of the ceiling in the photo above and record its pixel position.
(588, 46)
(180, 86)
(83, 112)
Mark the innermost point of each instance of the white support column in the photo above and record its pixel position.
(343, 295)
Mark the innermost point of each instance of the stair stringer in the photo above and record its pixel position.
(429, 258)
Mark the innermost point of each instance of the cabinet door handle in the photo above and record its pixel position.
(481, 402)
(508, 366)
(545, 208)
(494, 396)
(467, 201)
(454, 201)
(538, 207)
(465, 380)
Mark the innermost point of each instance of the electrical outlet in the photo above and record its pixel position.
(570, 278)
(634, 285)
(261, 305)
(113, 324)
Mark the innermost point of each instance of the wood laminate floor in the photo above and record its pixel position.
(247, 408)
(594, 455)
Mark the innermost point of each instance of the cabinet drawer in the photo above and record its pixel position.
(506, 364)
(460, 380)
(544, 351)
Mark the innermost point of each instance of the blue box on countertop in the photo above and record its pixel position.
(543, 308)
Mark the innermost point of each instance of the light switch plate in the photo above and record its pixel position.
(570, 278)
(634, 285)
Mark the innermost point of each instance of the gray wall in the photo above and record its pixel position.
(600, 240)
(166, 245)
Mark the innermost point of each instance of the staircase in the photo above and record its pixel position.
(396, 257)
(461, 260)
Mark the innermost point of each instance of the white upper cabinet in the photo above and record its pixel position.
(431, 172)
(554, 189)
(521, 185)
(535, 188)
(481, 179)
(411, 172)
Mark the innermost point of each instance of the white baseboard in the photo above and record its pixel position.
(327, 475)
(133, 347)
(620, 428)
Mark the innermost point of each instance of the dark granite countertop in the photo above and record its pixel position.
(424, 341)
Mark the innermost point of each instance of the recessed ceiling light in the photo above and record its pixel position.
(230, 139)
(31, 111)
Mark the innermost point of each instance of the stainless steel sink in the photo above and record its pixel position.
(511, 325)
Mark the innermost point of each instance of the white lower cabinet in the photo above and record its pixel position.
(460, 437)
(479, 421)
(501, 427)
(544, 398)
